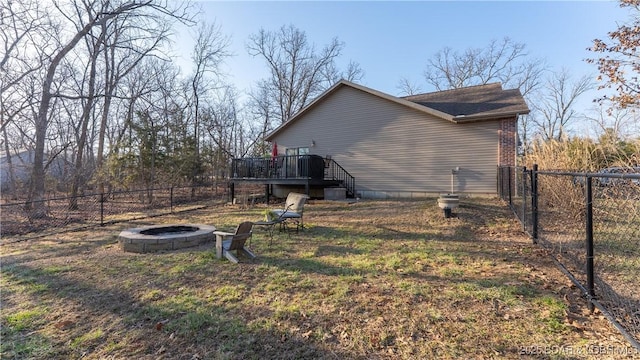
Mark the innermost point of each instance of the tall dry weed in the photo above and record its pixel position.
(583, 155)
(576, 155)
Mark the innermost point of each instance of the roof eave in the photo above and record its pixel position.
(483, 117)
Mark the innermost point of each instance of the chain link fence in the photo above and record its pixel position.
(72, 213)
(590, 223)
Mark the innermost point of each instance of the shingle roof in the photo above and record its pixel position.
(474, 102)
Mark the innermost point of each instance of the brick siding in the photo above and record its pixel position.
(507, 150)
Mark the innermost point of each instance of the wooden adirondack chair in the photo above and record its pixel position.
(227, 242)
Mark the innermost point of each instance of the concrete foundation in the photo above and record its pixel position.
(335, 193)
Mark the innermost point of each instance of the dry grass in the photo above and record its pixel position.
(579, 154)
(371, 280)
(576, 155)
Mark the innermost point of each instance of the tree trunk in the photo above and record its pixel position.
(35, 204)
(10, 172)
(78, 176)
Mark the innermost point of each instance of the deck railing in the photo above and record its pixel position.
(338, 173)
(310, 167)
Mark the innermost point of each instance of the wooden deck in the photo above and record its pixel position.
(308, 171)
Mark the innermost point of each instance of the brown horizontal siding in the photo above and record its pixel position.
(392, 148)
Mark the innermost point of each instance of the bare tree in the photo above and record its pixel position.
(407, 87)
(145, 85)
(501, 61)
(555, 109)
(93, 44)
(224, 128)
(620, 123)
(140, 81)
(332, 74)
(298, 72)
(125, 47)
(20, 24)
(525, 134)
(262, 110)
(91, 14)
(209, 52)
(163, 112)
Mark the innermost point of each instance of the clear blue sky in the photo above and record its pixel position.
(392, 40)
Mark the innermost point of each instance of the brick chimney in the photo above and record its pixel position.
(507, 148)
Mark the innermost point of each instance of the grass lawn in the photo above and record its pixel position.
(380, 279)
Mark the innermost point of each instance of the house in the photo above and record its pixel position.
(446, 141)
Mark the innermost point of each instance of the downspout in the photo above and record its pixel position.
(515, 154)
(515, 140)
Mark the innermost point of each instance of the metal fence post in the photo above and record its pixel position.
(267, 192)
(510, 200)
(589, 240)
(534, 203)
(232, 189)
(498, 181)
(524, 198)
(102, 209)
(171, 200)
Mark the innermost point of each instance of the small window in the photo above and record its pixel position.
(298, 151)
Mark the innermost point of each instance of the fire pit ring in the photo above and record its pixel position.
(165, 237)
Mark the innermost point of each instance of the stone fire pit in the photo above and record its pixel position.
(165, 237)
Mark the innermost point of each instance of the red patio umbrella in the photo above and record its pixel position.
(274, 154)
